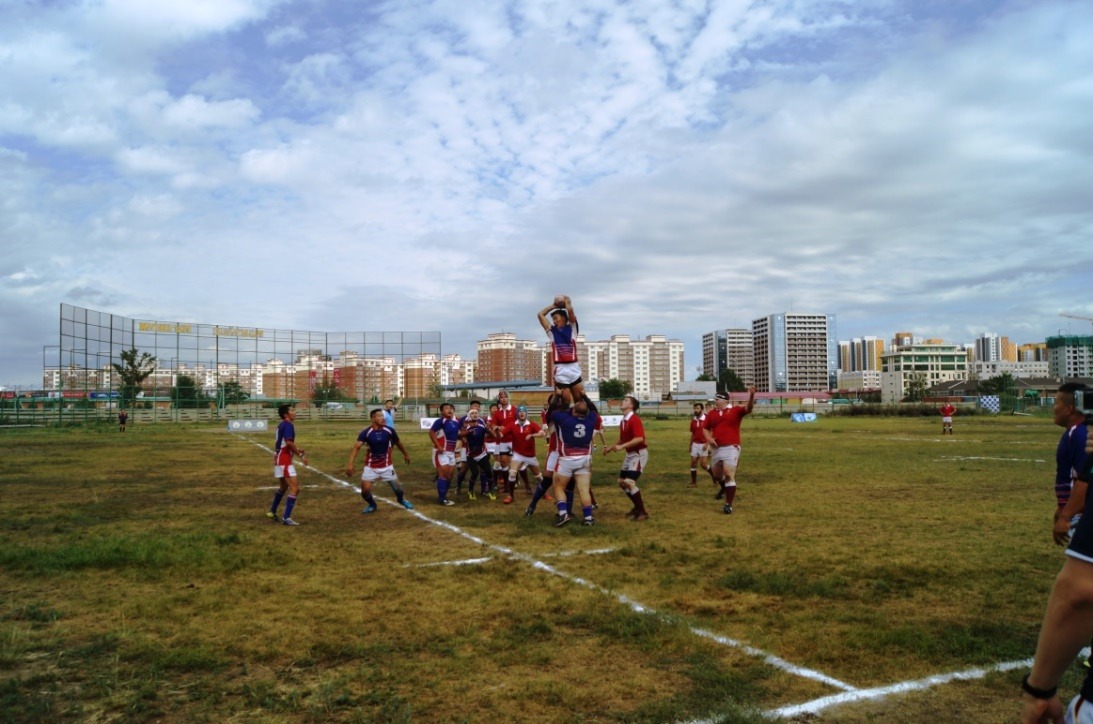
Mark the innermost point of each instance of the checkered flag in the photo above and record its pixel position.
(990, 403)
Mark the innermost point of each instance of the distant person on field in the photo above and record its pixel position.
(722, 429)
(123, 417)
(389, 411)
(632, 443)
(284, 450)
(523, 433)
(700, 450)
(445, 436)
(947, 411)
(473, 433)
(378, 463)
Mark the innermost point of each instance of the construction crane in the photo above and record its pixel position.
(1076, 316)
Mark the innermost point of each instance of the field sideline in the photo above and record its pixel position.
(865, 557)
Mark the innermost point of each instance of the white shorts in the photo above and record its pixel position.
(567, 373)
(461, 455)
(699, 450)
(445, 459)
(491, 448)
(504, 448)
(635, 462)
(552, 460)
(729, 455)
(284, 471)
(370, 474)
(947, 420)
(525, 460)
(570, 466)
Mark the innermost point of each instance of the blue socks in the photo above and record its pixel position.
(277, 501)
(290, 502)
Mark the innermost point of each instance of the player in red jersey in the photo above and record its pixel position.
(700, 451)
(722, 430)
(632, 442)
(523, 432)
(500, 418)
(947, 411)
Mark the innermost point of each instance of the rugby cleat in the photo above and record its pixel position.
(446, 502)
(289, 521)
(369, 509)
(274, 518)
(589, 521)
(727, 510)
(640, 516)
(507, 500)
(561, 519)
(529, 511)
(407, 504)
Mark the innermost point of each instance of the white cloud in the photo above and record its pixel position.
(724, 161)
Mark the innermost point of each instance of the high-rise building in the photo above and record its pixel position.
(502, 357)
(861, 354)
(990, 347)
(795, 352)
(652, 365)
(1070, 356)
(731, 349)
(902, 339)
(715, 354)
(1032, 352)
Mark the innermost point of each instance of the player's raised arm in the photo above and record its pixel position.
(544, 319)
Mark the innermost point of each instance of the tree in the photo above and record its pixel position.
(326, 391)
(232, 393)
(916, 387)
(704, 378)
(132, 372)
(729, 381)
(614, 389)
(186, 395)
(999, 385)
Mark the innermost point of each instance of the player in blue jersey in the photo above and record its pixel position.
(378, 463)
(1067, 626)
(445, 436)
(575, 430)
(560, 323)
(473, 434)
(284, 450)
(1070, 491)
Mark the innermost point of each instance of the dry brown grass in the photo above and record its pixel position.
(142, 581)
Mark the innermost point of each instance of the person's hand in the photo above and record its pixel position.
(1060, 531)
(407, 457)
(348, 471)
(1042, 711)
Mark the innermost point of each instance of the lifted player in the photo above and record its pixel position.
(562, 328)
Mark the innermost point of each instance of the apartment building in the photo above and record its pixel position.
(795, 352)
(934, 362)
(1070, 356)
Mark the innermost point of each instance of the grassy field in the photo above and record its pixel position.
(141, 581)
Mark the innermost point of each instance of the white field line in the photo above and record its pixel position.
(945, 458)
(487, 559)
(464, 562)
(817, 705)
(849, 693)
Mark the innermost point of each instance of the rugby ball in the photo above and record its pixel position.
(559, 301)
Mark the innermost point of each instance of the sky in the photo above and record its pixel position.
(675, 166)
